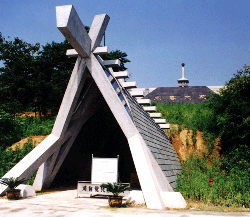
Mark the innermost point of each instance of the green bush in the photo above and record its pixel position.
(13, 129)
(31, 126)
(192, 117)
(229, 188)
(9, 158)
(10, 131)
(232, 109)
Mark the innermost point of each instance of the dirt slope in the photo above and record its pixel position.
(36, 140)
(184, 146)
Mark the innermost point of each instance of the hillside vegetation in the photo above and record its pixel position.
(12, 130)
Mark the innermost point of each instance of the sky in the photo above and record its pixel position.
(212, 37)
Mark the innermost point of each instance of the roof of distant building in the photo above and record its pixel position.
(174, 95)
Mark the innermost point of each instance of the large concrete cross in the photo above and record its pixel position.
(70, 25)
(79, 104)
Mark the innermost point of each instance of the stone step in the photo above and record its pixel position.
(144, 101)
(131, 84)
(155, 115)
(121, 74)
(71, 53)
(98, 51)
(136, 93)
(101, 50)
(150, 108)
(164, 126)
(160, 121)
(112, 63)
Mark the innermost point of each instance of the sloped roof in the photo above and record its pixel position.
(175, 95)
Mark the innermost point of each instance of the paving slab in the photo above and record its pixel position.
(66, 203)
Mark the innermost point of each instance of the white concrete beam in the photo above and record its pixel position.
(71, 53)
(136, 93)
(144, 101)
(98, 51)
(160, 121)
(155, 115)
(121, 74)
(97, 29)
(150, 108)
(164, 126)
(132, 84)
(101, 50)
(70, 97)
(112, 63)
(70, 25)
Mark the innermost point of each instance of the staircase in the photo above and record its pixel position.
(120, 77)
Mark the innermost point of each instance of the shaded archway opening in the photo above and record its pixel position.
(101, 136)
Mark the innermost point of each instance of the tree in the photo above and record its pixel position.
(52, 76)
(232, 107)
(16, 77)
(32, 78)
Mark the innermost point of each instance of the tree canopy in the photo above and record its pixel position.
(232, 109)
(17, 74)
(33, 77)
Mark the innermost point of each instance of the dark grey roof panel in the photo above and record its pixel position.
(175, 95)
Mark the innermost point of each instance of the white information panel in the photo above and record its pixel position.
(104, 170)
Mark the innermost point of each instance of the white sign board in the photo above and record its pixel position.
(84, 187)
(104, 170)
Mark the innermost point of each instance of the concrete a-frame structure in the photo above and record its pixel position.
(92, 86)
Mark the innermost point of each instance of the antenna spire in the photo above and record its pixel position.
(182, 82)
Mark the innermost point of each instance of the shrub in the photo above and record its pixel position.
(229, 188)
(9, 130)
(9, 158)
(31, 126)
(193, 117)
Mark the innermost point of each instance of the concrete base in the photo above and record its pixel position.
(135, 197)
(26, 191)
(173, 200)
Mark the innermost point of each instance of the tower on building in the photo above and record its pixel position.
(183, 82)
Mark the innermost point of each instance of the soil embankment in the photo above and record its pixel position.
(184, 144)
(36, 140)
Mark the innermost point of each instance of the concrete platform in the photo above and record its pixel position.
(65, 203)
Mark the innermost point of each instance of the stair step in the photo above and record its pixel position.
(144, 101)
(136, 93)
(131, 84)
(121, 74)
(160, 121)
(164, 126)
(101, 50)
(150, 108)
(155, 115)
(112, 63)
(71, 53)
